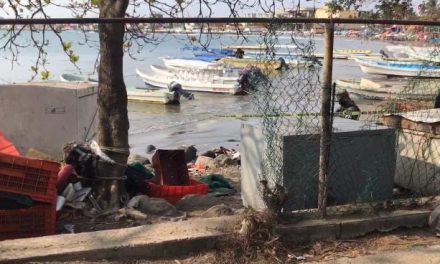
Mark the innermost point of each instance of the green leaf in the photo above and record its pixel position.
(95, 2)
(74, 58)
(34, 69)
(67, 46)
(45, 75)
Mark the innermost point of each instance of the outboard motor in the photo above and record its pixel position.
(249, 79)
(244, 80)
(178, 91)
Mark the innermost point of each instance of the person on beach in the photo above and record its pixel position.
(239, 53)
(348, 108)
(437, 101)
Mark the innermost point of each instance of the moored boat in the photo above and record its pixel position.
(266, 66)
(67, 77)
(400, 89)
(158, 97)
(220, 72)
(397, 68)
(173, 63)
(352, 51)
(212, 84)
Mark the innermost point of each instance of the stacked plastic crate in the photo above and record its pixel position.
(28, 178)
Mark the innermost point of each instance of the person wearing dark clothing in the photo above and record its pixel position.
(437, 101)
(239, 53)
(348, 108)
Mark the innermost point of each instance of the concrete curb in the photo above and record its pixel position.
(333, 229)
(164, 240)
(169, 240)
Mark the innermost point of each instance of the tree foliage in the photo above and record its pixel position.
(395, 9)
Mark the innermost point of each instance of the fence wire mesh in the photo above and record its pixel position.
(384, 138)
(287, 101)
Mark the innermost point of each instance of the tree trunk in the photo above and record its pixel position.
(113, 122)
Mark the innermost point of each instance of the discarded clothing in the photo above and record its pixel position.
(218, 185)
(137, 174)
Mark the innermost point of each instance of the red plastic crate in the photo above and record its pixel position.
(39, 220)
(7, 147)
(34, 178)
(173, 193)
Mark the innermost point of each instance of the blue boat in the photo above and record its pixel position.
(393, 68)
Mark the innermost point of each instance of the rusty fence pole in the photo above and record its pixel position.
(325, 140)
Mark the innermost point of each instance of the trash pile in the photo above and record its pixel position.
(154, 184)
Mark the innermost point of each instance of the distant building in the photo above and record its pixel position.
(307, 12)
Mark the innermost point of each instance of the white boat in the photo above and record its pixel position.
(177, 64)
(371, 89)
(133, 94)
(393, 68)
(430, 54)
(220, 72)
(159, 97)
(67, 77)
(192, 82)
(398, 51)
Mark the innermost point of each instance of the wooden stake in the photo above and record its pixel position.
(325, 140)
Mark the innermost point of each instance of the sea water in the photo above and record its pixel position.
(208, 121)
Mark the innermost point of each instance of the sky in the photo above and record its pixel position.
(219, 10)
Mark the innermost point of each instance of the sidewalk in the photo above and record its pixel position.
(417, 254)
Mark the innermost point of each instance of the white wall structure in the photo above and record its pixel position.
(46, 115)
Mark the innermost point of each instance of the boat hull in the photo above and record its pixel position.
(371, 90)
(162, 81)
(157, 97)
(392, 69)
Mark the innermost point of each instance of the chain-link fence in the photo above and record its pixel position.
(384, 142)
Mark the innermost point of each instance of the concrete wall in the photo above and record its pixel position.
(418, 162)
(252, 150)
(362, 165)
(47, 115)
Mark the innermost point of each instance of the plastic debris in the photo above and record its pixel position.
(69, 192)
(82, 194)
(69, 228)
(60, 202)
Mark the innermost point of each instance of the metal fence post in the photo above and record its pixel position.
(325, 140)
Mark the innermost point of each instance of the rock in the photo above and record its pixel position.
(137, 158)
(133, 214)
(236, 156)
(224, 160)
(190, 153)
(218, 210)
(208, 153)
(194, 202)
(154, 206)
(150, 149)
(206, 162)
